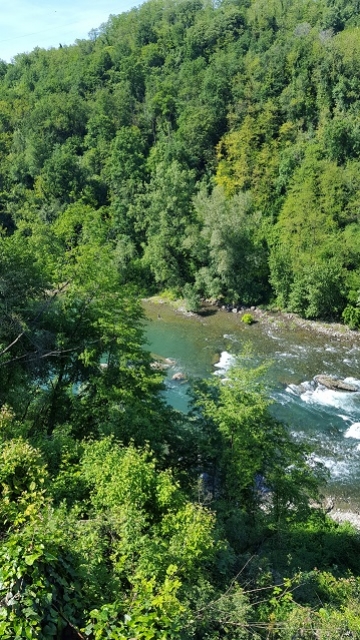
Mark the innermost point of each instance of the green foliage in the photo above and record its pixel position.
(255, 449)
(247, 318)
(150, 614)
(40, 596)
(162, 544)
(211, 149)
(256, 101)
(351, 316)
(318, 292)
(192, 299)
(228, 244)
(22, 478)
(168, 201)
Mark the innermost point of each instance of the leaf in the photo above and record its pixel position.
(31, 559)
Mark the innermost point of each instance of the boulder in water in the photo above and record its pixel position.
(335, 384)
(179, 376)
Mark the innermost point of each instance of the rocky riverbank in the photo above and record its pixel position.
(294, 321)
(346, 516)
(275, 318)
(331, 329)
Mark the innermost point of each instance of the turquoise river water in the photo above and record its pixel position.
(203, 345)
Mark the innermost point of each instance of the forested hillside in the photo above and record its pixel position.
(220, 143)
(212, 150)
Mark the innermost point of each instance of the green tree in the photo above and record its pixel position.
(231, 248)
(168, 213)
(251, 452)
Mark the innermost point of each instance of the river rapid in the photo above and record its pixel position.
(200, 346)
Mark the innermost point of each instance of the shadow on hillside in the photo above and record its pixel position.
(316, 556)
(328, 547)
(207, 312)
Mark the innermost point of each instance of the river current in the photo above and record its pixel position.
(330, 420)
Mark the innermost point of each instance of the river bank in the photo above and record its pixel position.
(332, 329)
(341, 517)
(275, 318)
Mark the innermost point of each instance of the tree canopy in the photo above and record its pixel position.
(210, 148)
(175, 101)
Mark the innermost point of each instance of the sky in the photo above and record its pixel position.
(26, 24)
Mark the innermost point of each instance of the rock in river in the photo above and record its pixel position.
(335, 384)
(179, 376)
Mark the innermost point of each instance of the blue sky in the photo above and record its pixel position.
(25, 24)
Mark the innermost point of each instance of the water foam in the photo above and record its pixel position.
(327, 398)
(284, 354)
(353, 381)
(316, 394)
(226, 361)
(353, 431)
(337, 468)
(229, 336)
(273, 336)
(293, 389)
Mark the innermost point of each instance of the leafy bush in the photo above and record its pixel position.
(318, 291)
(351, 316)
(192, 298)
(40, 594)
(247, 318)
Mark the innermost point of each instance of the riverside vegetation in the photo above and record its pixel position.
(212, 149)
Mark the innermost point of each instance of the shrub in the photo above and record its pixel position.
(351, 316)
(192, 298)
(247, 318)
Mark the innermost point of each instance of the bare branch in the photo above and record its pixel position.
(38, 315)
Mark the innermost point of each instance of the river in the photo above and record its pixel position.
(330, 420)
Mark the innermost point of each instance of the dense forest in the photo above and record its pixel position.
(211, 150)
